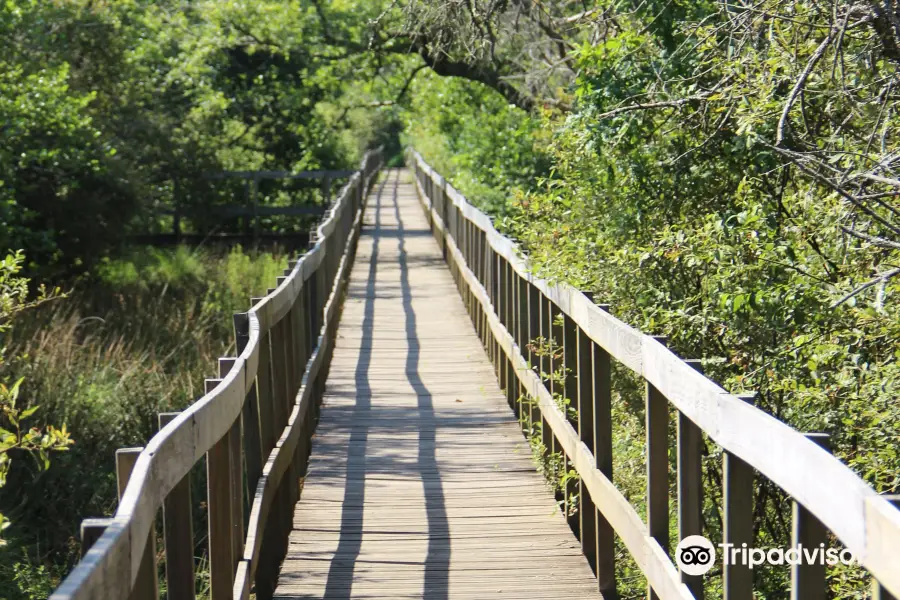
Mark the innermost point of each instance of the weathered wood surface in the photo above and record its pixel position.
(420, 483)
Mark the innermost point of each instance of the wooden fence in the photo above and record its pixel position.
(509, 307)
(253, 426)
(251, 211)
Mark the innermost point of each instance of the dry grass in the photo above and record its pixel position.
(135, 341)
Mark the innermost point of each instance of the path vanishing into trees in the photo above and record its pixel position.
(388, 426)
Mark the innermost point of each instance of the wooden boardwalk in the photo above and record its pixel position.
(420, 484)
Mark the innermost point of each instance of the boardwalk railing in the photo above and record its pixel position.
(253, 426)
(510, 307)
(251, 211)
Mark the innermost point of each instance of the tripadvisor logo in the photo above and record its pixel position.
(695, 555)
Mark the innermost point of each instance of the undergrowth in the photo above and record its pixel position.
(136, 339)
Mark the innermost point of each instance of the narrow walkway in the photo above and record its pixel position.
(420, 484)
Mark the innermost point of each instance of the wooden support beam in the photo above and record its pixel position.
(91, 530)
(737, 477)
(808, 580)
(603, 460)
(690, 485)
(178, 535)
(237, 477)
(218, 501)
(657, 430)
(145, 584)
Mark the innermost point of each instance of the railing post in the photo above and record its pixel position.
(737, 498)
(145, 585)
(237, 477)
(657, 425)
(91, 530)
(253, 450)
(500, 310)
(534, 331)
(690, 485)
(570, 391)
(178, 534)
(808, 580)
(879, 592)
(603, 460)
(546, 432)
(265, 394)
(584, 380)
(522, 319)
(218, 499)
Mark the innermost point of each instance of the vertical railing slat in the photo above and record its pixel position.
(584, 381)
(689, 471)
(808, 579)
(657, 430)
(603, 460)
(220, 516)
(253, 449)
(237, 477)
(145, 584)
(737, 497)
(178, 535)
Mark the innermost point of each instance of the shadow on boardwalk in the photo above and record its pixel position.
(437, 561)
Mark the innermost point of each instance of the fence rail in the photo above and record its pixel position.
(251, 211)
(510, 306)
(253, 425)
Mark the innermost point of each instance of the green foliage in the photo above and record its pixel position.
(475, 138)
(135, 340)
(15, 435)
(113, 109)
(693, 221)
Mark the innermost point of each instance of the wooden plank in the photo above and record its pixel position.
(400, 428)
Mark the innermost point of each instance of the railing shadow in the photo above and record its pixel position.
(340, 572)
(437, 559)
(339, 584)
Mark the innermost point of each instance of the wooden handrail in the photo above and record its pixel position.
(511, 306)
(260, 410)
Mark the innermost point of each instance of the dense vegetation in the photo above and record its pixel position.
(724, 177)
(721, 173)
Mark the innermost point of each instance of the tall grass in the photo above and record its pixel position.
(135, 340)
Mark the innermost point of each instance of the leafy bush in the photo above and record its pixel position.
(17, 437)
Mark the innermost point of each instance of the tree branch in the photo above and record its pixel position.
(650, 105)
(798, 87)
